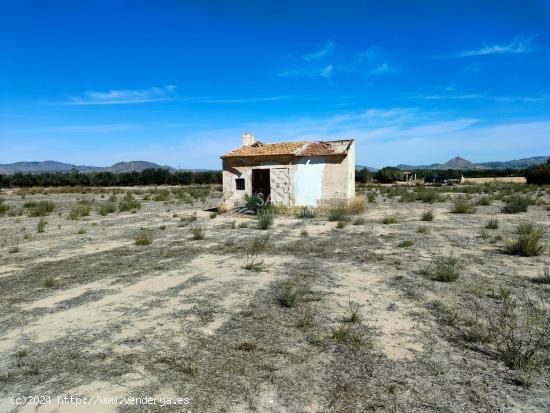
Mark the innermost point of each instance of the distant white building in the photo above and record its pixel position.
(290, 173)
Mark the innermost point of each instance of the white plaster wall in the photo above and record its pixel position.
(308, 181)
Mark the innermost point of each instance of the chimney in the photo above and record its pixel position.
(248, 139)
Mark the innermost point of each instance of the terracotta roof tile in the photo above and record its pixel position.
(297, 148)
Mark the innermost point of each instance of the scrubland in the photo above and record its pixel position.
(410, 300)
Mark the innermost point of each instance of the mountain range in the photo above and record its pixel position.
(138, 166)
(463, 164)
(54, 166)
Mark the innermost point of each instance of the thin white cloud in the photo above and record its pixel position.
(325, 51)
(519, 45)
(327, 64)
(124, 97)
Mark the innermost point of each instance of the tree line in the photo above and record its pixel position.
(539, 174)
(153, 176)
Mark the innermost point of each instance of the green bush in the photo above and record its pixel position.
(462, 206)
(79, 211)
(42, 208)
(528, 241)
(107, 208)
(128, 203)
(143, 237)
(388, 175)
(265, 219)
(427, 216)
(492, 224)
(515, 204)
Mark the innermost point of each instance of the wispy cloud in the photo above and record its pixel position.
(325, 51)
(520, 44)
(123, 97)
(330, 61)
(258, 99)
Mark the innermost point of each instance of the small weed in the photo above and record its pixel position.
(143, 237)
(106, 208)
(304, 233)
(82, 230)
(198, 232)
(254, 252)
(354, 315)
(243, 225)
(543, 273)
(247, 346)
(406, 244)
(291, 295)
(14, 247)
(213, 215)
(390, 219)
(423, 229)
(444, 268)
(427, 216)
(359, 221)
(79, 211)
(492, 224)
(343, 334)
(340, 224)
(484, 200)
(41, 225)
(49, 282)
(128, 203)
(306, 213)
(265, 219)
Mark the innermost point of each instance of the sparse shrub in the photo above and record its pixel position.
(474, 328)
(515, 204)
(408, 196)
(254, 252)
(484, 200)
(41, 225)
(128, 203)
(492, 224)
(49, 282)
(427, 215)
(162, 196)
(390, 219)
(247, 346)
(265, 219)
(429, 196)
(106, 208)
(423, 229)
(82, 230)
(354, 314)
(213, 215)
(528, 240)
(243, 224)
(254, 202)
(357, 205)
(520, 334)
(359, 221)
(343, 334)
(290, 295)
(340, 224)
(304, 233)
(306, 213)
(371, 196)
(233, 224)
(444, 268)
(144, 237)
(79, 211)
(543, 273)
(462, 206)
(42, 208)
(198, 232)
(14, 247)
(405, 244)
(336, 215)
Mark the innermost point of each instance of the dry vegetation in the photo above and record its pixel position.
(433, 300)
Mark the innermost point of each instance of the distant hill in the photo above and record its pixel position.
(54, 166)
(463, 164)
(370, 168)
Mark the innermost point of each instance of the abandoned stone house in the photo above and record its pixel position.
(296, 173)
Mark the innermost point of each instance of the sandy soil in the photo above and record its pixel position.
(84, 311)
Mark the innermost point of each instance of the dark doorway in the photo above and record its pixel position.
(260, 183)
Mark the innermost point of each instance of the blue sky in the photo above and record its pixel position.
(176, 82)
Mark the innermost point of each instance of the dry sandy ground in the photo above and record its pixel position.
(85, 312)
